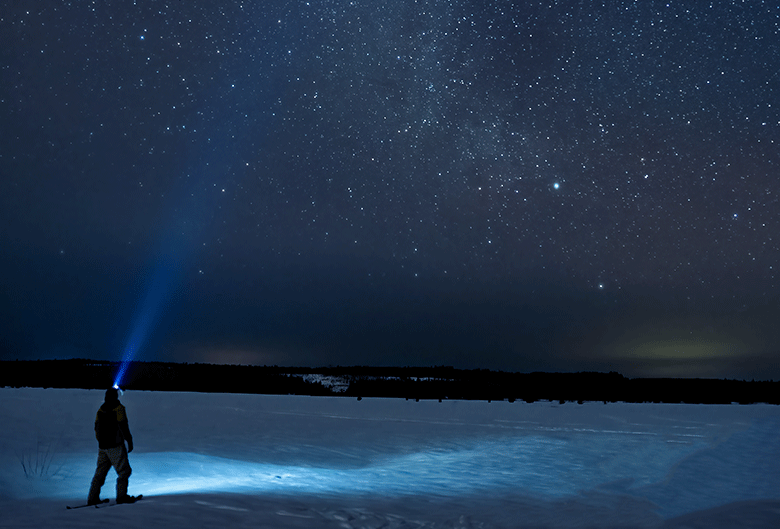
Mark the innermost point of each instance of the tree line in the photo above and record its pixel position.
(439, 382)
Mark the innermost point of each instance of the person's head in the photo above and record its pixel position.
(112, 395)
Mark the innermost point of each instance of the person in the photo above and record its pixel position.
(111, 431)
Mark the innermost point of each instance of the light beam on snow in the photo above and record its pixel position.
(537, 465)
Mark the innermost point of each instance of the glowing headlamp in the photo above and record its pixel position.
(118, 390)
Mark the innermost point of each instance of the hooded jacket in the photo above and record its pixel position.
(111, 428)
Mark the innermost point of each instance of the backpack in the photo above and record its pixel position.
(107, 427)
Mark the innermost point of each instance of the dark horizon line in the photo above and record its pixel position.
(442, 383)
(364, 367)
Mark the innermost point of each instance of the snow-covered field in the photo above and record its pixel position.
(220, 460)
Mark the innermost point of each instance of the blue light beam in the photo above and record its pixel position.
(158, 293)
(197, 206)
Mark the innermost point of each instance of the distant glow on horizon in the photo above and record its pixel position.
(678, 346)
(682, 349)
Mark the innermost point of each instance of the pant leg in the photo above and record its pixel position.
(103, 466)
(118, 457)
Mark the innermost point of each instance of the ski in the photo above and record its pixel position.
(88, 505)
(135, 500)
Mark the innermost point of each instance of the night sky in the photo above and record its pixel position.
(556, 186)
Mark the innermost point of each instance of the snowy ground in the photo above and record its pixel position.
(272, 461)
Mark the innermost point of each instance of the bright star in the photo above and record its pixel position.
(556, 185)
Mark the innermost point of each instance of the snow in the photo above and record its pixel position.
(218, 460)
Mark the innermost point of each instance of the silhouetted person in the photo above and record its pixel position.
(111, 431)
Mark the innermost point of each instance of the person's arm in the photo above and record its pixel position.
(124, 427)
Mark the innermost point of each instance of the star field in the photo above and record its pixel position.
(526, 158)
